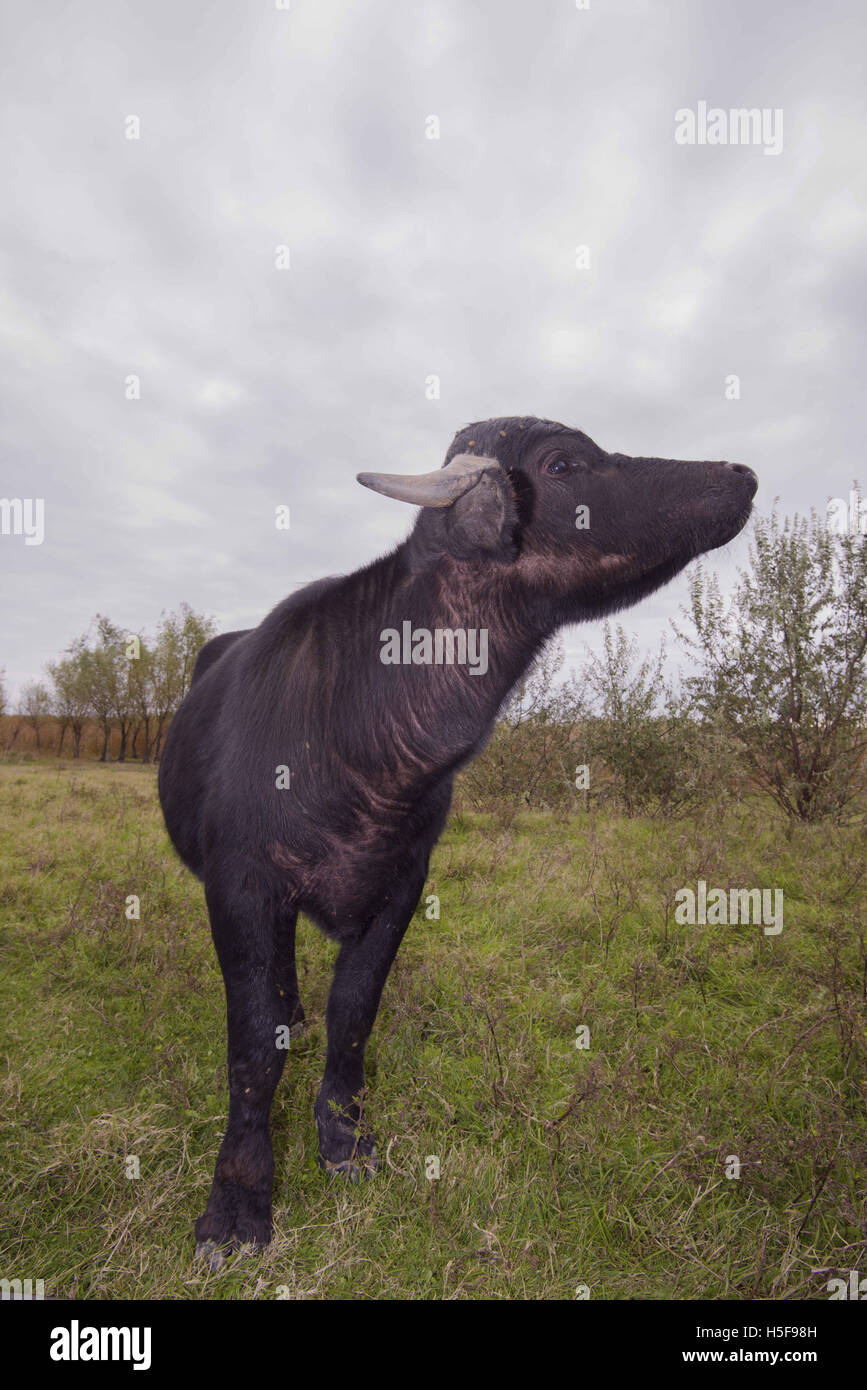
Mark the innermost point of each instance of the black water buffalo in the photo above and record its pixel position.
(370, 691)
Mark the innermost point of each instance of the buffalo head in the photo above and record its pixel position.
(587, 530)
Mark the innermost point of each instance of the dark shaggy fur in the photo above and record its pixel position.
(373, 749)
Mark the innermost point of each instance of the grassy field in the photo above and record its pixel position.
(560, 1167)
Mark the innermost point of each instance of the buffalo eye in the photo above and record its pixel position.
(558, 466)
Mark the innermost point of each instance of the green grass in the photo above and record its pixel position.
(559, 1167)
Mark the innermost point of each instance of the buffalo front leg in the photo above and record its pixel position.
(285, 968)
(261, 998)
(359, 976)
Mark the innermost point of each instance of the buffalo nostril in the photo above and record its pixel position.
(749, 477)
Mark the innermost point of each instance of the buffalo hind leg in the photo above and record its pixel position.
(257, 961)
(359, 976)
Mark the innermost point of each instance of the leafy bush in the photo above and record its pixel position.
(783, 665)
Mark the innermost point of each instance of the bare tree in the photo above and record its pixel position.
(179, 639)
(36, 707)
(106, 677)
(70, 695)
(141, 677)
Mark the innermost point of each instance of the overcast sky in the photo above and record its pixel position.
(409, 257)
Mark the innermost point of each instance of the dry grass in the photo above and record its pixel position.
(560, 1167)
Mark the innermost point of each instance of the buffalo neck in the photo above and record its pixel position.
(434, 648)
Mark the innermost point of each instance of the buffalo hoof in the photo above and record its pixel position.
(362, 1165)
(216, 1253)
(213, 1255)
(234, 1222)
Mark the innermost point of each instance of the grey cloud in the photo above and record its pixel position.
(409, 257)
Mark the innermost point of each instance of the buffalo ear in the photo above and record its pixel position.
(481, 524)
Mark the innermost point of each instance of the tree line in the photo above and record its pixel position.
(127, 683)
(774, 699)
